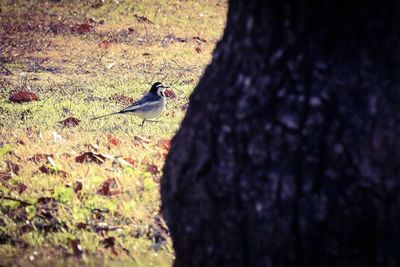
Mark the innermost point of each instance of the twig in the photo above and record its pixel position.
(102, 55)
(23, 202)
(156, 13)
(6, 69)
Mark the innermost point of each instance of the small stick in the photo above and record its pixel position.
(17, 200)
(6, 69)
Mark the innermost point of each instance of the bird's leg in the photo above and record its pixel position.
(143, 123)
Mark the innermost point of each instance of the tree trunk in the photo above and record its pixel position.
(289, 154)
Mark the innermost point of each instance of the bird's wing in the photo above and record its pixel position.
(148, 99)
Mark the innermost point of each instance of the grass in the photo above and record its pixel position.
(55, 211)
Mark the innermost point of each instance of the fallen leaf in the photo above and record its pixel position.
(169, 93)
(81, 226)
(44, 169)
(4, 176)
(12, 167)
(76, 248)
(105, 44)
(198, 49)
(21, 188)
(164, 143)
(20, 142)
(131, 161)
(90, 157)
(18, 214)
(98, 4)
(122, 99)
(23, 96)
(47, 170)
(112, 140)
(199, 40)
(108, 242)
(25, 228)
(69, 122)
(185, 107)
(47, 207)
(153, 169)
(47, 201)
(161, 154)
(109, 188)
(142, 19)
(78, 186)
(39, 157)
(81, 28)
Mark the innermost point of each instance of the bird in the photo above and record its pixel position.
(148, 107)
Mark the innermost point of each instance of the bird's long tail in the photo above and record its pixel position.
(95, 118)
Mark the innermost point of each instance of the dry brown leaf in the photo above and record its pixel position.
(142, 19)
(104, 44)
(185, 107)
(112, 140)
(39, 157)
(23, 96)
(169, 93)
(76, 248)
(199, 39)
(77, 186)
(4, 176)
(109, 187)
(164, 143)
(21, 188)
(70, 122)
(108, 242)
(153, 169)
(131, 161)
(12, 167)
(47, 170)
(81, 28)
(90, 157)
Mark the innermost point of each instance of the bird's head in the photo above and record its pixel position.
(158, 89)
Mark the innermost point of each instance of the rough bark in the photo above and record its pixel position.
(289, 154)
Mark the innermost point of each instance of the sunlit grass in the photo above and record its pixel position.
(74, 76)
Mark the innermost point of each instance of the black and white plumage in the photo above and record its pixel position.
(148, 107)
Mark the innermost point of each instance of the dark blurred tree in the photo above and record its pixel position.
(289, 154)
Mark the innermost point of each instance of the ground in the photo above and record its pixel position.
(84, 192)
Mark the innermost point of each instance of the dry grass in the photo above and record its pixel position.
(115, 214)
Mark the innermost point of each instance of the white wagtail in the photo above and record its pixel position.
(149, 107)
